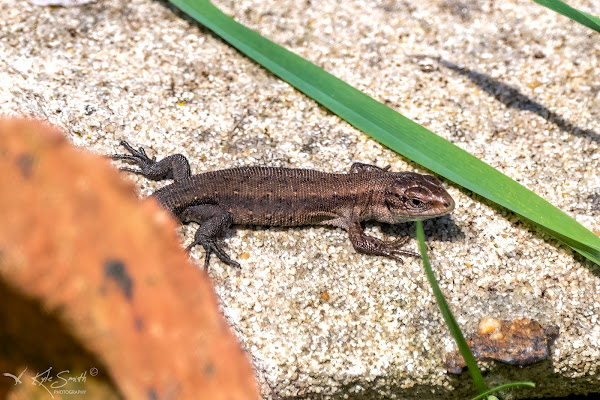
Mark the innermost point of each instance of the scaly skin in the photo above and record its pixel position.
(272, 196)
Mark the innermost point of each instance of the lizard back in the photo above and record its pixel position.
(268, 195)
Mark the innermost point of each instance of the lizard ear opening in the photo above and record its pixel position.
(394, 201)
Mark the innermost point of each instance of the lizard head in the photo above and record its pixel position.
(411, 197)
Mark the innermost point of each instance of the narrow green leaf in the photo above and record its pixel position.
(394, 130)
(455, 331)
(583, 18)
(502, 387)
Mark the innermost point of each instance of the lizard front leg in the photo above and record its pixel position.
(371, 245)
(174, 167)
(213, 221)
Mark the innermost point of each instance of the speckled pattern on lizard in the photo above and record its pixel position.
(273, 196)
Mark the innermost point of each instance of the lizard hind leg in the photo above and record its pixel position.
(174, 167)
(213, 221)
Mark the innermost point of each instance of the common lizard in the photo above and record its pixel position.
(273, 196)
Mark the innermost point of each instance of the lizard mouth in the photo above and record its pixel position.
(447, 205)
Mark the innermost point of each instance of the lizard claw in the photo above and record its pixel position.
(387, 248)
(391, 248)
(136, 156)
(211, 247)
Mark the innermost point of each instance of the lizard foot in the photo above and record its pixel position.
(211, 247)
(388, 248)
(391, 248)
(174, 167)
(138, 157)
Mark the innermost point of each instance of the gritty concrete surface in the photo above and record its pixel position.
(511, 82)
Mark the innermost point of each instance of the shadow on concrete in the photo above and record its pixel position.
(513, 98)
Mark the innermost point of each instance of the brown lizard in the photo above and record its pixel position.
(273, 196)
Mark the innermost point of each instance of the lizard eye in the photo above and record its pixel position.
(416, 203)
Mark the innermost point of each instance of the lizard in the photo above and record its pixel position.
(286, 197)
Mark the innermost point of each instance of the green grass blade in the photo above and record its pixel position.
(394, 130)
(455, 331)
(502, 387)
(583, 18)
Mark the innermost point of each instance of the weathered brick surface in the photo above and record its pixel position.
(90, 276)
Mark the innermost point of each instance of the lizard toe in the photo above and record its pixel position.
(223, 256)
(211, 247)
